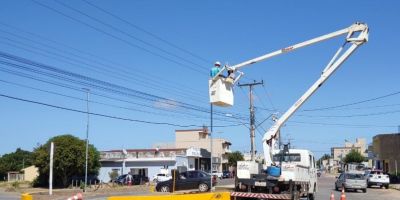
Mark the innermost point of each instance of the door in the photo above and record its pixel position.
(181, 181)
(339, 181)
(193, 180)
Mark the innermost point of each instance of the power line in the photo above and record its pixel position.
(354, 115)
(118, 38)
(109, 105)
(354, 103)
(340, 124)
(88, 82)
(147, 32)
(112, 73)
(125, 33)
(104, 115)
(68, 60)
(153, 77)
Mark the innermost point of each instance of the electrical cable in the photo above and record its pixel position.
(78, 82)
(354, 103)
(147, 32)
(125, 33)
(104, 115)
(118, 38)
(110, 73)
(139, 73)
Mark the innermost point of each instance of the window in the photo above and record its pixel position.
(313, 159)
(354, 176)
(192, 174)
(293, 157)
(201, 174)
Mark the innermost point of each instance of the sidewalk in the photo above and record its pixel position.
(395, 186)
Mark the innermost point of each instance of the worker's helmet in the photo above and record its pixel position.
(217, 63)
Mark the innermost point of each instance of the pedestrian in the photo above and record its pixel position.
(215, 70)
(129, 179)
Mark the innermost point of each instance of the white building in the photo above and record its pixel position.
(149, 162)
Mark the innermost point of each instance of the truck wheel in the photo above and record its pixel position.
(387, 186)
(203, 187)
(312, 195)
(364, 190)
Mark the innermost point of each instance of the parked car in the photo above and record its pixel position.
(120, 180)
(139, 179)
(351, 181)
(226, 174)
(136, 179)
(217, 174)
(161, 177)
(187, 180)
(378, 178)
(319, 173)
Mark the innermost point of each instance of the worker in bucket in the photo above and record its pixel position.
(215, 70)
(231, 76)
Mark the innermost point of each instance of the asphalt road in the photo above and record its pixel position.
(326, 187)
(9, 195)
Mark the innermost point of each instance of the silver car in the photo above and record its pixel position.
(351, 181)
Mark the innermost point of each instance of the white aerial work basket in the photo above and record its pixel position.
(221, 92)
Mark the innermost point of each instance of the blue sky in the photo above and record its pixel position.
(166, 51)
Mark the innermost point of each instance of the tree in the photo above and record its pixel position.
(354, 157)
(68, 161)
(15, 161)
(234, 157)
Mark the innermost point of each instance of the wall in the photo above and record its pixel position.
(153, 167)
(386, 149)
(30, 173)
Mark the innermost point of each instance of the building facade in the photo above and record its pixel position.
(149, 162)
(339, 153)
(200, 138)
(386, 152)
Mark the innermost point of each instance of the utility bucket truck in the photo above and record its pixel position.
(287, 173)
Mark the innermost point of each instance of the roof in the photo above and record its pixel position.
(146, 150)
(345, 147)
(387, 135)
(192, 130)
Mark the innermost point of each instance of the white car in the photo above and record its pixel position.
(378, 178)
(217, 174)
(161, 177)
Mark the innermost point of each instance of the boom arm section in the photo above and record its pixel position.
(357, 34)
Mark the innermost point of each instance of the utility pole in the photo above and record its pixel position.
(51, 169)
(252, 115)
(87, 139)
(211, 146)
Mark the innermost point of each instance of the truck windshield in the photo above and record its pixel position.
(291, 157)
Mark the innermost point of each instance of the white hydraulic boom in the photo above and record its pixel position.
(357, 34)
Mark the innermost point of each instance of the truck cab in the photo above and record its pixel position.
(297, 173)
(297, 165)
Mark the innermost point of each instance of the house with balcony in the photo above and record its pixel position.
(200, 138)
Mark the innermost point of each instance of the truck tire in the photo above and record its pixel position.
(387, 186)
(364, 190)
(312, 195)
